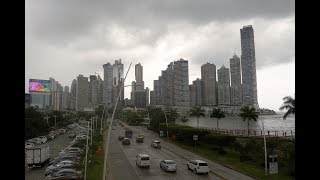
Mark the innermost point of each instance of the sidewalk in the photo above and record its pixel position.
(217, 169)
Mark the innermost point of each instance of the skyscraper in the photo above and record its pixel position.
(223, 86)
(139, 77)
(235, 71)
(196, 93)
(82, 93)
(181, 94)
(147, 96)
(208, 77)
(248, 65)
(118, 79)
(107, 84)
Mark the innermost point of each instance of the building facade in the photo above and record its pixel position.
(208, 77)
(235, 72)
(248, 65)
(82, 93)
(107, 84)
(223, 86)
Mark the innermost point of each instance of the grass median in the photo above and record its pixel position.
(231, 159)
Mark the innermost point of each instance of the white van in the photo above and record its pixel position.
(143, 160)
(198, 166)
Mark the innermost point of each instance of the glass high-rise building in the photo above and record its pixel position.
(107, 84)
(208, 77)
(235, 71)
(223, 86)
(248, 65)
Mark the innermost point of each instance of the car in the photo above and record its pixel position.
(126, 141)
(58, 167)
(168, 165)
(50, 136)
(143, 160)
(198, 166)
(36, 141)
(113, 128)
(28, 145)
(156, 144)
(72, 135)
(120, 137)
(65, 174)
(141, 135)
(139, 140)
(43, 139)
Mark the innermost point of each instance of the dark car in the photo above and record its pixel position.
(139, 140)
(65, 174)
(120, 137)
(126, 141)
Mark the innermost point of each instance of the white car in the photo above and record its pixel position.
(52, 167)
(198, 166)
(168, 165)
(143, 160)
(28, 145)
(156, 144)
(43, 139)
(35, 141)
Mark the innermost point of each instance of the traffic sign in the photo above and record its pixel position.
(195, 137)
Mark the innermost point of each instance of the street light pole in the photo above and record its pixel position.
(85, 165)
(47, 117)
(91, 132)
(265, 146)
(109, 130)
(166, 123)
(55, 121)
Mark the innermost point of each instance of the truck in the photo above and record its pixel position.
(37, 156)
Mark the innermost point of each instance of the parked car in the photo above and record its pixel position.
(43, 139)
(126, 141)
(36, 141)
(51, 167)
(72, 135)
(143, 160)
(58, 167)
(65, 174)
(120, 137)
(168, 165)
(198, 166)
(28, 145)
(156, 144)
(49, 136)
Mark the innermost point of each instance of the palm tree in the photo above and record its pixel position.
(184, 119)
(197, 111)
(248, 114)
(289, 103)
(217, 113)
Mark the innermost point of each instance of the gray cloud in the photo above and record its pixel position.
(67, 38)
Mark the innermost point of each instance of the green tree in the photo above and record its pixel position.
(197, 111)
(156, 117)
(288, 104)
(217, 113)
(35, 125)
(184, 119)
(172, 115)
(248, 114)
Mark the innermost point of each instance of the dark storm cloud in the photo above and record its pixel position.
(61, 21)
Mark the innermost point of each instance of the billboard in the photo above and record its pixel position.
(38, 85)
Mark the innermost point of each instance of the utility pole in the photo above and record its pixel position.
(55, 121)
(86, 159)
(91, 132)
(46, 117)
(265, 147)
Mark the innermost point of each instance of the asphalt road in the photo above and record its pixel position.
(121, 161)
(57, 144)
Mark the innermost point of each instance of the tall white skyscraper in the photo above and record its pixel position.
(248, 65)
(235, 71)
(223, 86)
(107, 84)
(82, 93)
(208, 77)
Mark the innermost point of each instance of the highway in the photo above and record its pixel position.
(121, 160)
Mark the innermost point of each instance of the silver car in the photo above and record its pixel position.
(168, 165)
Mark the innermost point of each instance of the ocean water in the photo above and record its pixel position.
(271, 123)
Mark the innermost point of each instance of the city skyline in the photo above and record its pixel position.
(209, 35)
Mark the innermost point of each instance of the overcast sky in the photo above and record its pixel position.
(68, 38)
